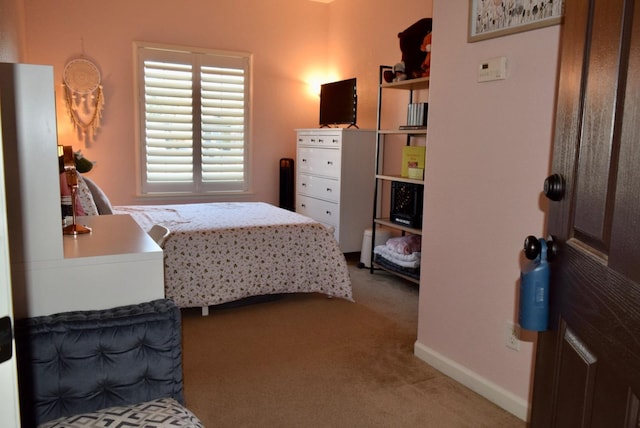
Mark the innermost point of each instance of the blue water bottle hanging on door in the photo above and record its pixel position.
(534, 284)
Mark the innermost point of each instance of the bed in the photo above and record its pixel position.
(227, 251)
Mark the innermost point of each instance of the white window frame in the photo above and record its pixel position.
(196, 57)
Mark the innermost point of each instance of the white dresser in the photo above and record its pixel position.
(335, 180)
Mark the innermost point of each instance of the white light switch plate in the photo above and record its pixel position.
(492, 69)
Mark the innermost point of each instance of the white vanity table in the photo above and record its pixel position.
(116, 264)
(112, 238)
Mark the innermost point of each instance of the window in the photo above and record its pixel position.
(193, 114)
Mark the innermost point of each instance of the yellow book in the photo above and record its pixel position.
(413, 157)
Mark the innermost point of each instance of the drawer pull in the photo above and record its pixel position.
(329, 189)
(329, 163)
(328, 212)
(304, 184)
(303, 205)
(335, 140)
(304, 160)
(320, 140)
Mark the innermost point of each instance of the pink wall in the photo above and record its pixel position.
(363, 36)
(294, 42)
(11, 30)
(488, 155)
(288, 39)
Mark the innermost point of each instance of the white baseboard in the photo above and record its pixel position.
(492, 392)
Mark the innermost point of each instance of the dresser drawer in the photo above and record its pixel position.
(319, 187)
(325, 140)
(319, 161)
(322, 211)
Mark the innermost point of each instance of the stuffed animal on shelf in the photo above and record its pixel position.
(426, 47)
(415, 45)
(398, 72)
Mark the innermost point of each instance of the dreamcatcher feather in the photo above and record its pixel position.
(84, 97)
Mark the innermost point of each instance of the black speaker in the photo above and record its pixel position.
(406, 204)
(286, 184)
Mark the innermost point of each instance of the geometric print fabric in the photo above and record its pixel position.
(160, 413)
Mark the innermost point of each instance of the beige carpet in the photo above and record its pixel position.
(310, 361)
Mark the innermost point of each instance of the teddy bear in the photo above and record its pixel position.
(426, 47)
(415, 45)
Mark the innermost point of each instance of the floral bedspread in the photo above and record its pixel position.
(226, 251)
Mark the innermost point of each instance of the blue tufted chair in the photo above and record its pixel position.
(84, 361)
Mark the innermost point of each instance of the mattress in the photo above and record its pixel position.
(222, 252)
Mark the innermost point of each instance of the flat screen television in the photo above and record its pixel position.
(338, 103)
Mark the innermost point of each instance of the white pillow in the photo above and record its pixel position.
(102, 202)
(86, 198)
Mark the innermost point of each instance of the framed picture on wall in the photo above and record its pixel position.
(495, 18)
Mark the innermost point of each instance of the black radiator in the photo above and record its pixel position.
(287, 184)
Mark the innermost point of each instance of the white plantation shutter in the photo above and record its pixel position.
(223, 124)
(193, 120)
(168, 121)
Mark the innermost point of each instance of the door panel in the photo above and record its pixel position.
(577, 373)
(588, 364)
(625, 255)
(595, 152)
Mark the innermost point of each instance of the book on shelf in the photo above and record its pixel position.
(417, 115)
(413, 161)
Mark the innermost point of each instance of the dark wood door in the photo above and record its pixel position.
(587, 371)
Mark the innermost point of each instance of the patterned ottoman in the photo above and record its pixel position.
(165, 412)
(120, 367)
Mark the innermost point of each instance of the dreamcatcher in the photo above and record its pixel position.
(84, 97)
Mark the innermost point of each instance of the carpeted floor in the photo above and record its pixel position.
(310, 361)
